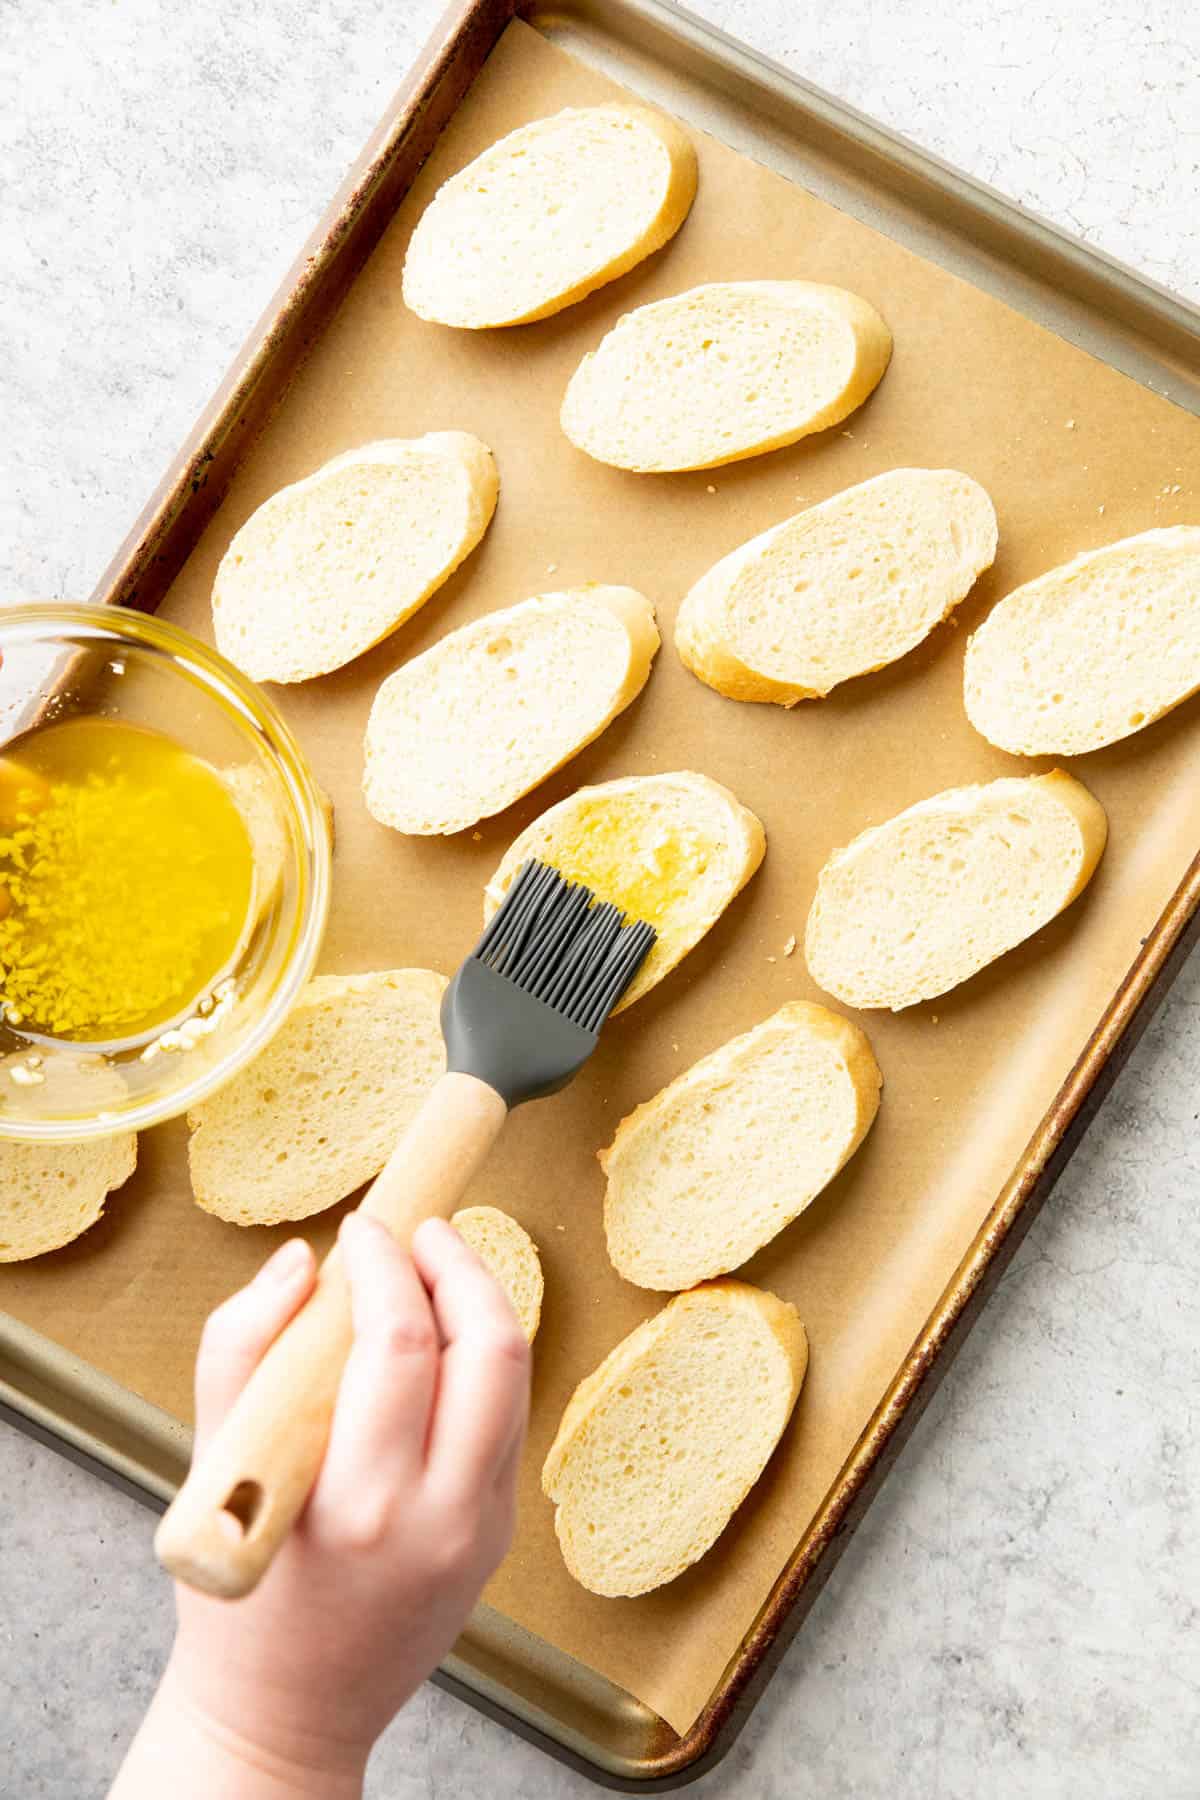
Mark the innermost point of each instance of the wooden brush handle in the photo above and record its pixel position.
(243, 1495)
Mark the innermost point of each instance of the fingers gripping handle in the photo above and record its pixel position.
(244, 1494)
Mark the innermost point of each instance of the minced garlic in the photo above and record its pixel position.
(127, 874)
(624, 853)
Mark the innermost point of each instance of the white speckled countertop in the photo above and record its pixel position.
(1020, 1613)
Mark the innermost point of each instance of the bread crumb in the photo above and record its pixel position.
(551, 568)
(1100, 508)
(1070, 424)
(711, 488)
(560, 1228)
(790, 947)
(772, 959)
(848, 434)
(477, 837)
(674, 1046)
(933, 1018)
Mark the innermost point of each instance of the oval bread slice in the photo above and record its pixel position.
(548, 214)
(512, 1257)
(320, 1111)
(840, 589)
(913, 907)
(1091, 652)
(670, 849)
(659, 1447)
(51, 1194)
(465, 729)
(330, 565)
(723, 372)
(714, 1167)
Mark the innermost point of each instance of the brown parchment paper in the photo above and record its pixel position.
(1074, 455)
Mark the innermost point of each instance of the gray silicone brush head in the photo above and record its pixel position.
(525, 1010)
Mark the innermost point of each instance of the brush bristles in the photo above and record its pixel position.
(554, 940)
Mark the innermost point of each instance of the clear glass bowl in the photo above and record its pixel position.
(61, 661)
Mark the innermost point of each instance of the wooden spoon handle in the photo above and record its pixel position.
(243, 1495)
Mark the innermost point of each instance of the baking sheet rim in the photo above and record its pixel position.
(1033, 1176)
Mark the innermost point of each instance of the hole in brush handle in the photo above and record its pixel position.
(244, 1505)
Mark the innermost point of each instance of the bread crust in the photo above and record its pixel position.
(277, 640)
(721, 1072)
(390, 785)
(705, 633)
(744, 846)
(425, 261)
(621, 1367)
(881, 987)
(276, 1101)
(512, 1256)
(1091, 652)
(865, 350)
(39, 1212)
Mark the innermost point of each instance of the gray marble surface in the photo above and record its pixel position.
(1020, 1614)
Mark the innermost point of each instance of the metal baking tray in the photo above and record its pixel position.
(1083, 296)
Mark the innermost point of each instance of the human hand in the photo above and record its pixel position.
(412, 1510)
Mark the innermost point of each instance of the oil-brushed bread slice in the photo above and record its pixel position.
(717, 1163)
(840, 589)
(512, 1257)
(659, 1447)
(914, 906)
(463, 730)
(318, 1113)
(548, 214)
(723, 372)
(1093, 651)
(670, 849)
(52, 1193)
(330, 565)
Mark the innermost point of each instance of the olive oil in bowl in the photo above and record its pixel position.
(126, 883)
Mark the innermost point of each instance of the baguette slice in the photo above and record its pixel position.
(1091, 652)
(659, 1447)
(462, 731)
(319, 1112)
(511, 1255)
(330, 565)
(840, 589)
(670, 849)
(548, 214)
(913, 907)
(51, 1194)
(714, 1167)
(723, 372)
